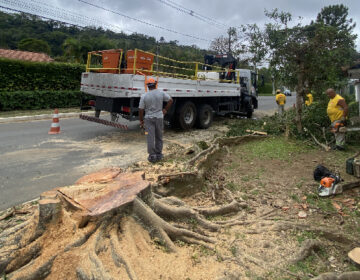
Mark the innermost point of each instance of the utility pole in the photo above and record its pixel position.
(231, 32)
(157, 58)
(229, 41)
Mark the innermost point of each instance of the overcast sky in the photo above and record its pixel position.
(156, 12)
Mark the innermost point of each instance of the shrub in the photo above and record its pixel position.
(17, 75)
(266, 88)
(33, 100)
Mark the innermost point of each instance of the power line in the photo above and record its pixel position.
(85, 27)
(58, 13)
(144, 22)
(192, 13)
(19, 11)
(94, 20)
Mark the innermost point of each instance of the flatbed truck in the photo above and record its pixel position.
(117, 85)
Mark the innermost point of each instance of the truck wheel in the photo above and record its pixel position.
(205, 116)
(187, 115)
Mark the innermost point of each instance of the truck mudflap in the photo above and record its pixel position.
(102, 121)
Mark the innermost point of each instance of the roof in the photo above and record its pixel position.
(24, 55)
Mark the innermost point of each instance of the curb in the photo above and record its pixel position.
(42, 117)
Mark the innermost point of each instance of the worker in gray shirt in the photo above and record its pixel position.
(152, 103)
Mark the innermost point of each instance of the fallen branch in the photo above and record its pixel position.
(325, 147)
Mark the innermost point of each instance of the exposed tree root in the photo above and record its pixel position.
(353, 275)
(162, 229)
(233, 207)
(203, 154)
(322, 231)
(181, 213)
(13, 212)
(118, 258)
(306, 249)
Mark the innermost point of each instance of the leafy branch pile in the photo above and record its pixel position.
(314, 119)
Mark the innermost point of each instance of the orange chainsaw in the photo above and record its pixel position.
(328, 181)
(340, 127)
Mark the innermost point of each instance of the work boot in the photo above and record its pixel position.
(159, 157)
(152, 158)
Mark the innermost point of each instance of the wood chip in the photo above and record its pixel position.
(302, 215)
(337, 206)
(304, 206)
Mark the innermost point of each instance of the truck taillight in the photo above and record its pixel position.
(125, 109)
(91, 102)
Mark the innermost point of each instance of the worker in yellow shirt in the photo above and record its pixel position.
(309, 99)
(280, 100)
(337, 111)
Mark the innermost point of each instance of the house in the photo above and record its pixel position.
(24, 55)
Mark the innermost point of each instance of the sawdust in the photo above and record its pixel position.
(274, 190)
(151, 262)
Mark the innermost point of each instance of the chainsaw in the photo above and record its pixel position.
(347, 129)
(329, 185)
(328, 181)
(340, 127)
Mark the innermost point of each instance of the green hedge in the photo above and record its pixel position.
(17, 75)
(33, 100)
(266, 88)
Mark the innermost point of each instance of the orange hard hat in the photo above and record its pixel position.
(150, 81)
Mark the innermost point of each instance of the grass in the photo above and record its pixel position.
(272, 148)
(17, 113)
(295, 198)
(302, 236)
(320, 202)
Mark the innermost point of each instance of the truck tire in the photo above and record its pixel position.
(205, 116)
(186, 115)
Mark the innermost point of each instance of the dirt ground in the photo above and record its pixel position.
(273, 177)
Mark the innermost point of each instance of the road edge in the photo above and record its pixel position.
(42, 117)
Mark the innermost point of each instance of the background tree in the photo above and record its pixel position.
(253, 44)
(227, 44)
(310, 55)
(70, 43)
(34, 45)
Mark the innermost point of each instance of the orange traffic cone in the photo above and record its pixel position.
(55, 126)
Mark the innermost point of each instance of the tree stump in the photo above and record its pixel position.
(78, 230)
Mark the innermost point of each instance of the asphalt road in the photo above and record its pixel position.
(33, 161)
(267, 103)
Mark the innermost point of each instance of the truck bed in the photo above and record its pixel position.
(129, 86)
